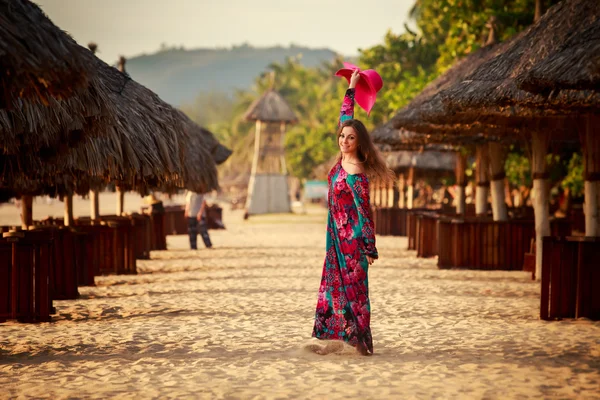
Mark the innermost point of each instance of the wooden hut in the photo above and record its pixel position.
(268, 190)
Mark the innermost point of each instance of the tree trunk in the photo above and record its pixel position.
(461, 182)
(481, 177)
(283, 169)
(540, 196)
(68, 200)
(539, 10)
(26, 211)
(497, 155)
(410, 190)
(94, 205)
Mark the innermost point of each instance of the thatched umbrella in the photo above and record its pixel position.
(388, 138)
(151, 130)
(576, 66)
(397, 143)
(38, 60)
(218, 152)
(270, 107)
(493, 85)
(427, 160)
(50, 93)
(201, 152)
(160, 146)
(411, 162)
(150, 145)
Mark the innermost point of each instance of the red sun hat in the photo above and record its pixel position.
(366, 88)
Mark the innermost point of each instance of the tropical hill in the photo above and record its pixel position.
(178, 75)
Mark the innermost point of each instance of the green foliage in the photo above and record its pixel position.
(574, 179)
(518, 169)
(458, 27)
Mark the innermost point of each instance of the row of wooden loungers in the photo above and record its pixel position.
(49, 261)
(569, 263)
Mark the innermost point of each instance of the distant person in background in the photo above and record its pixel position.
(195, 210)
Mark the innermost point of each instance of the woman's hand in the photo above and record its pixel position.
(370, 260)
(354, 79)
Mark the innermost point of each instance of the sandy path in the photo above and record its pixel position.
(234, 323)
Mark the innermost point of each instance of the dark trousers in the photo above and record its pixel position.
(195, 227)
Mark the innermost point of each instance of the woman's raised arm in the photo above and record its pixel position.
(347, 110)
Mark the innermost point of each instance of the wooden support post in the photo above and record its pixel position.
(94, 205)
(401, 193)
(410, 188)
(384, 195)
(461, 183)
(120, 193)
(68, 200)
(26, 211)
(282, 155)
(539, 172)
(590, 142)
(377, 193)
(390, 195)
(481, 178)
(254, 167)
(497, 155)
(120, 201)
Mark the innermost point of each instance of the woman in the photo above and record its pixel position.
(343, 308)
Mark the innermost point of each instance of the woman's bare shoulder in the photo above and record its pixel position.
(354, 169)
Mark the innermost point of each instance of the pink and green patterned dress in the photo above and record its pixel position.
(343, 308)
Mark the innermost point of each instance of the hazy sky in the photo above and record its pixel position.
(132, 27)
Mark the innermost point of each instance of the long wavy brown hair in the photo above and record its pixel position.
(374, 165)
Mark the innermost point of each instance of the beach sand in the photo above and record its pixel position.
(235, 323)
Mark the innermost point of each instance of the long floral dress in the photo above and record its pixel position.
(343, 308)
